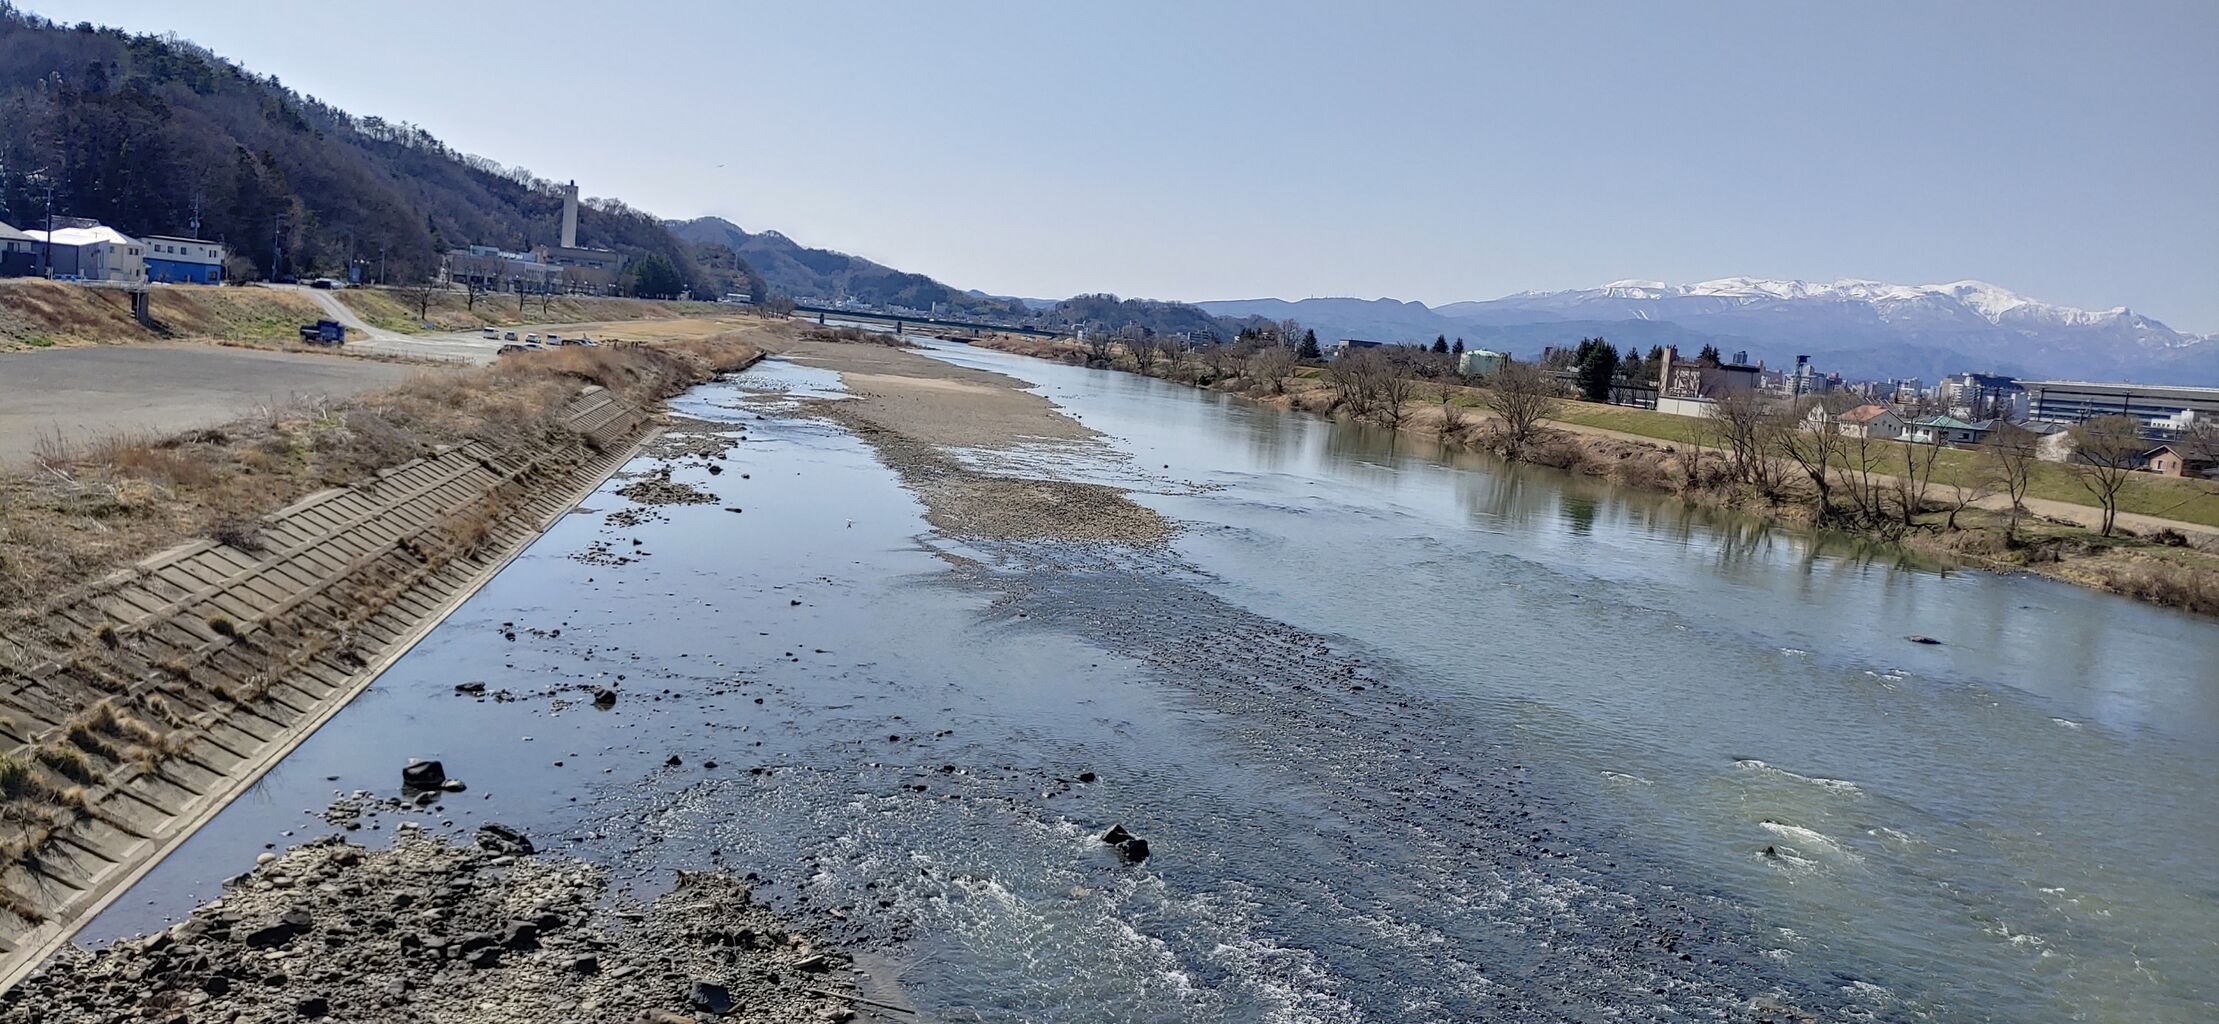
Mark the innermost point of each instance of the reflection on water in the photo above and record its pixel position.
(2015, 824)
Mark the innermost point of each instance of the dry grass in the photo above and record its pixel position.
(37, 314)
(394, 310)
(82, 511)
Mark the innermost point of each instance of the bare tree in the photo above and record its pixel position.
(1452, 411)
(2109, 447)
(1745, 426)
(1355, 380)
(1097, 348)
(780, 306)
(1271, 366)
(1396, 387)
(1144, 349)
(1522, 395)
(420, 295)
(1290, 332)
(1913, 478)
(2005, 464)
(1815, 446)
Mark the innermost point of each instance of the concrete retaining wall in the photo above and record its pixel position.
(166, 689)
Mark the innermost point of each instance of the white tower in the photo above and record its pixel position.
(570, 216)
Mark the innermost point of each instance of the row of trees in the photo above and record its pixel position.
(1785, 452)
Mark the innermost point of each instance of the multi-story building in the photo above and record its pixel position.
(174, 260)
(2162, 410)
(1689, 388)
(93, 253)
(1979, 396)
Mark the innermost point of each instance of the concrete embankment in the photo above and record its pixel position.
(149, 699)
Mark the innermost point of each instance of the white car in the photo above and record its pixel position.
(491, 334)
(531, 339)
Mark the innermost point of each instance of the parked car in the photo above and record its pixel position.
(553, 338)
(323, 283)
(509, 350)
(531, 339)
(491, 334)
(510, 336)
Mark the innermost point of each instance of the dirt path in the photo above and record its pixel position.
(919, 412)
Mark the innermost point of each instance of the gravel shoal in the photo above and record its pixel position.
(440, 932)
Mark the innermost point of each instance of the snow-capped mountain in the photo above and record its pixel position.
(1859, 328)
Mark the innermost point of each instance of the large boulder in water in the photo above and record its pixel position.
(423, 774)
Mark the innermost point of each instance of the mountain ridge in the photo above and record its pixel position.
(1859, 327)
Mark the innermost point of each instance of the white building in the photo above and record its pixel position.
(97, 253)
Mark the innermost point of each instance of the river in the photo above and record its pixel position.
(1415, 735)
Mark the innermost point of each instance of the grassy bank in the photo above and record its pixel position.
(396, 310)
(84, 510)
(1665, 452)
(42, 314)
(2190, 501)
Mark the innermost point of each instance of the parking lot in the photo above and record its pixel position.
(79, 394)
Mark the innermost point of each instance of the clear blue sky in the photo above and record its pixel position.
(2069, 151)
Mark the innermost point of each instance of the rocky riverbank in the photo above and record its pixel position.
(437, 931)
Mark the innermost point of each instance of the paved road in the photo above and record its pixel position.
(83, 393)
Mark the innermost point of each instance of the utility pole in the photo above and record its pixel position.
(277, 247)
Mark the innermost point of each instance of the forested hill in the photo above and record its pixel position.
(140, 131)
(789, 268)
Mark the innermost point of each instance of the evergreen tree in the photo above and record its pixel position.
(1440, 343)
(1309, 349)
(1708, 356)
(1597, 362)
(1458, 348)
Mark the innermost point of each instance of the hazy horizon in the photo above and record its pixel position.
(1435, 154)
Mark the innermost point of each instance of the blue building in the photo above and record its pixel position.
(183, 260)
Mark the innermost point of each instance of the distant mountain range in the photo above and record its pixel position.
(789, 268)
(1862, 329)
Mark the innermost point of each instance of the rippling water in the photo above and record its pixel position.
(1417, 736)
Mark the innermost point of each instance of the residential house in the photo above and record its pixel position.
(1944, 430)
(2170, 460)
(94, 253)
(1874, 421)
(177, 260)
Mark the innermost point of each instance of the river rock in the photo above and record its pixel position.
(1921, 638)
(1116, 835)
(423, 774)
(604, 698)
(710, 996)
(473, 686)
(1133, 850)
(497, 838)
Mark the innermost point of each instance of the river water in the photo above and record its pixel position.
(1415, 735)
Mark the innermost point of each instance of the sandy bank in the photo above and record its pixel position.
(918, 411)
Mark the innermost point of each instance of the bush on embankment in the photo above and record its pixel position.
(80, 511)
